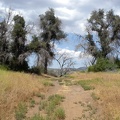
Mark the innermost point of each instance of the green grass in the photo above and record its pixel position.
(37, 117)
(43, 105)
(53, 102)
(32, 103)
(56, 99)
(85, 85)
(4, 67)
(60, 114)
(21, 111)
(47, 83)
(50, 108)
(88, 84)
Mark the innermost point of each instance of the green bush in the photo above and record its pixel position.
(4, 67)
(60, 114)
(43, 105)
(117, 61)
(47, 83)
(37, 117)
(102, 64)
(56, 99)
(21, 111)
(36, 70)
(15, 65)
(32, 103)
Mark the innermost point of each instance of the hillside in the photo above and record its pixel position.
(78, 96)
(16, 87)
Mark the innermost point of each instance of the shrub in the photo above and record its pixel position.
(60, 113)
(102, 64)
(50, 108)
(15, 65)
(37, 117)
(117, 61)
(21, 111)
(32, 103)
(46, 83)
(56, 99)
(43, 105)
(36, 70)
(4, 67)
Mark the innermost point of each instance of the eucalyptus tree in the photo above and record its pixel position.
(5, 33)
(18, 47)
(3, 42)
(51, 32)
(103, 34)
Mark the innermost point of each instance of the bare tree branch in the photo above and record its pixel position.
(65, 62)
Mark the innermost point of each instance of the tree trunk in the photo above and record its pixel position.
(45, 65)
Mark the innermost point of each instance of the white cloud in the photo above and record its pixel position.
(81, 59)
(72, 12)
(74, 54)
(62, 2)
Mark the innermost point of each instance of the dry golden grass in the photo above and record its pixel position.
(14, 88)
(107, 88)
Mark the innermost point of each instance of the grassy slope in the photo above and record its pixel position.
(16, 87)
(107, 88)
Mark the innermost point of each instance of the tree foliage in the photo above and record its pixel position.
(15, 48)
(103, 34)
(4, 44)
(101, 41)
(51, 32)
(18, 47)
(103, 64)
(19, 36)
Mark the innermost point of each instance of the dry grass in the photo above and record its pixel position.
(14, 88)
(107, 89)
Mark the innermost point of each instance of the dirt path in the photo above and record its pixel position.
(78, 103)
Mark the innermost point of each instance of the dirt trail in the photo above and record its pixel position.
(75, 97)
(78, 103)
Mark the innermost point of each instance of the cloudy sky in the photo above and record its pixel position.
(73, 14)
